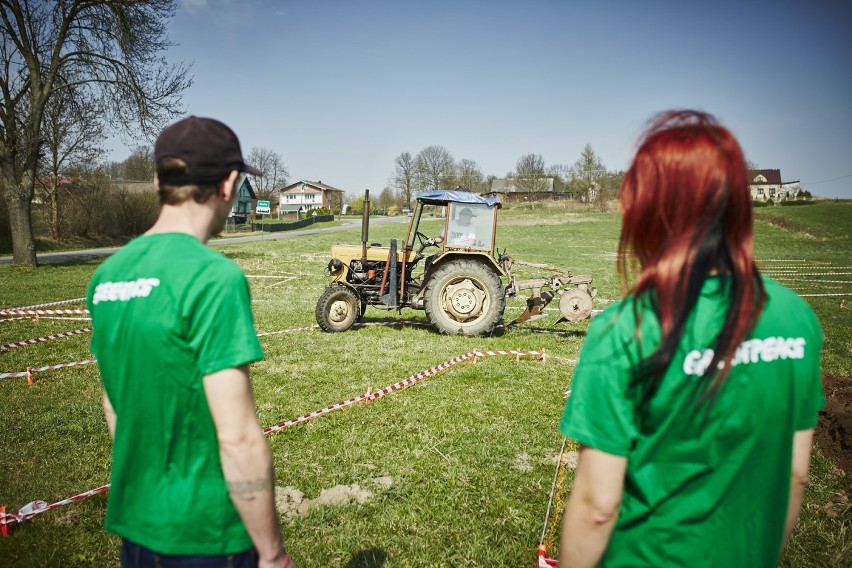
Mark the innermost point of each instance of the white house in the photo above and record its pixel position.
(304, 195)
(766, 184)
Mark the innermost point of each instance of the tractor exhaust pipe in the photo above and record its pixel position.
(365, 226)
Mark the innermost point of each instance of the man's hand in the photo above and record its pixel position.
(281, 562)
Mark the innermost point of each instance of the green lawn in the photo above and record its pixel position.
(459, 466)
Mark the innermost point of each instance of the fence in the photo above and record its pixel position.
(278, 227)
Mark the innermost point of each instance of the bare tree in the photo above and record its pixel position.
(470, 176)
(72, 131)
(110, 51)
(434, 168)
(274, 171)
(529, 173)
(404, 176)
(139, 165)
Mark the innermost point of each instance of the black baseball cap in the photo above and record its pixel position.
(466, 212)
(210, 149)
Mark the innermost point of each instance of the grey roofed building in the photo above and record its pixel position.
(510, 185)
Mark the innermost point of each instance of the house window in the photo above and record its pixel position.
(771, 191)
(760, 191)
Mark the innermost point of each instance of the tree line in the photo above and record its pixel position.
(77, 71)
(434, 167)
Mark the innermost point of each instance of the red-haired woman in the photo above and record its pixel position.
(696, 396)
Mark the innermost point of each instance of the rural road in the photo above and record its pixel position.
(347, 224)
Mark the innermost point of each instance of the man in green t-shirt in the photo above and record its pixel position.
(192, 474)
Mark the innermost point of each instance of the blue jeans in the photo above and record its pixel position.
(136, 556)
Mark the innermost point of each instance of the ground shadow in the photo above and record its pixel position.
(369, 558)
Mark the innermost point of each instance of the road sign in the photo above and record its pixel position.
(262, 208)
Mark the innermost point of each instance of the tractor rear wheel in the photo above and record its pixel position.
(465, 297)
(337, 309)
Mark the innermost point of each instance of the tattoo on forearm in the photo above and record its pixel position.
(248, 490)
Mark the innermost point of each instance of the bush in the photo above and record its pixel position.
(796, 202)
(760, 203)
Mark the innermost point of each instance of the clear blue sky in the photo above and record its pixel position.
(340, 88)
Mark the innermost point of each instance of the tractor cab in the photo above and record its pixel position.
(469, 226)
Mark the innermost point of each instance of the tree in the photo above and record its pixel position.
(274, 171)
(434, 168)
(470, 176)
(529, 173)
(386, 203)
(139, 165)
(588, 169)
(404, 176)
(72, 132)
(106, 51)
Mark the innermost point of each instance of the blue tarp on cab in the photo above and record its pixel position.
(444, 196)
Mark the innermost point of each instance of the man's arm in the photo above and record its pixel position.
(109, 414)
(592, 508)
(246, 461)
(802, 443)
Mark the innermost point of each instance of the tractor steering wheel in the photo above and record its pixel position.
(425, 241)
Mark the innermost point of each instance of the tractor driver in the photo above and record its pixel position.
(462, 231)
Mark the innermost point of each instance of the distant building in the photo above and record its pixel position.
(241, 209)
(766, 184)
(305, 195)
(510, 185)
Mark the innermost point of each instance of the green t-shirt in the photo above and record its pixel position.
(701, 488)
(166, 311)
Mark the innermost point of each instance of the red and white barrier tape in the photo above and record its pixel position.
(306, 328)
(15, 319)
(8, 518)
(779, 273)
(59, 303)
(543, 560)
(69, 318)
(34, 370)
(788, 279)
(27, 342)
(832, 294)
(793, 260)
(27, 312)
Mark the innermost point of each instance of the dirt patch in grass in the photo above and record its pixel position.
(787, 225)
(291, 502)
(834, 430)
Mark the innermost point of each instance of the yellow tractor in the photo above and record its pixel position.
(462, 286)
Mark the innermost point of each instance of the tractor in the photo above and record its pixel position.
(462, 285)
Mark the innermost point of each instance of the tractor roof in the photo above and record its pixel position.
(444, 196)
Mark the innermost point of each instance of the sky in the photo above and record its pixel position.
(340, 88)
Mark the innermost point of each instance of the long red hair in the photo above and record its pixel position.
(688, 216)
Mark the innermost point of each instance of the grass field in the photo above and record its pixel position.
(454, 471)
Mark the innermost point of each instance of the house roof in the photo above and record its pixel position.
(313, 184)
(510, 185)
(772, 177)
(247, 185)
(290, 207)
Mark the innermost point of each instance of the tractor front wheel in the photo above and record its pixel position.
(337, 309)
(465, 297)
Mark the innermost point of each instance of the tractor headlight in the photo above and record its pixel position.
(335, 266)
